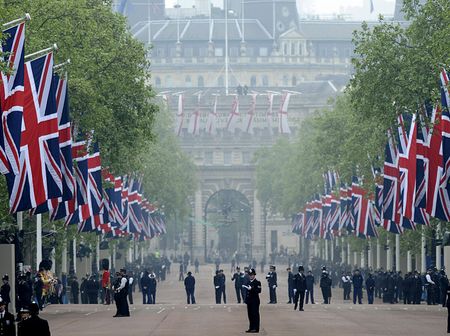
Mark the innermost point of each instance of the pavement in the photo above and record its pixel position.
(172, 316)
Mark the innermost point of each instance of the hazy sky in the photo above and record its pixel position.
(357, 9)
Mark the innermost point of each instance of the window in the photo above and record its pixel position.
(300, 49)
(203, 52)
(246, 157)
(293, 51)
(285, 80)
(285, 48)
(294, 80)
(253, 81)
(157, 82)
(188, 52)
(263, 52)
(187, 81)
(173, 52)
(227, 158)
(200, 81)
(218, 52)
(208, 158)
(265, 80)
(234, 52)
(160, 52)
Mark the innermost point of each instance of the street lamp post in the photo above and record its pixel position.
(226, 47)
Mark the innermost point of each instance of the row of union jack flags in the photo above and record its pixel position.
(45, 170)
(235, 119)
(412, 186)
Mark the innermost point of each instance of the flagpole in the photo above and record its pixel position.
(60, 65)
(408, 261)
(36, 54)
(226, 47)
(378, 254)
(24, 18)
(424, 252)
(20, 228)
(38, 240)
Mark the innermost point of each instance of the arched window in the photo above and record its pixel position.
(187, 81)
(253, 81)
(157, 82)
(220, 82)
(265, 80)
(200, 81)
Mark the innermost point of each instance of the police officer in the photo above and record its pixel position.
(357, 286)
(299, 287)
(122, 294)
(189, 285)
(310, 281)
(370, 287)
(253, 302)
(7, 326)
(325, 286)
(290, 285)
(430, 285)
(33, 325)
(222, 281)
(4, 291)
(238, 282)
(272, 282)
(217, 289)
(443, 284)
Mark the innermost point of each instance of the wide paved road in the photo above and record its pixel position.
(171, 316)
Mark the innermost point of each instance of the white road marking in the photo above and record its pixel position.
(160, 311)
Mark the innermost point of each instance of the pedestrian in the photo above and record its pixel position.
(310, 281)
(196, 264)
(253, 302)
(238, 282)
(272, 283)
(357, 281)
(39, 290)
(346, 285)
(92, 290)
(121, 293)
(145, 287)
(74, 290)
(106, 284)
(416, 288)
(430, 285)
(152, 288)
(290, 285)
(443, 284)
(84, 296)
(7, 326)
(33, 325)
(217, 289)
(189, 286)
(130, 287)
(325, 286)
(5, 290)
(181, 272)
(448, 308)
(222, 280)
(370, 288)
(299, 288)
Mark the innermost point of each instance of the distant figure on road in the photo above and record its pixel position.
(222, 285)
(189, 285)
(357, 286)
(325, 286)
(370, 287)
(181, 274)
(34, 325)
(253, 302)
(272, 282)
(290, 285)
(218, 291)
(152, 289)
(145, 287)
(238, 278)
(310, 281)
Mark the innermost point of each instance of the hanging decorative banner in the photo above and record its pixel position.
(234, 115)
(211, 123)
(180, 115)
(248, 123)
(283, 126)
(270, 111)
(194, 122)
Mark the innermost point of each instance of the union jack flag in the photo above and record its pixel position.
(194, 122)
(211, 123)
(317, 216)
(283, 125)
(345, 202)
(179, 116)
(363, 213)
(12, 99)
(308, 225)
(40, 176)
(134, 206)
(297, 223)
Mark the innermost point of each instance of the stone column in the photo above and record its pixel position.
(389, 255)
(257, 247)
(378, 254)
(198, 231)
(423, 260)
(64, 257)
(438, 248)
(408, 261)
(349, 262)
(370, 256)
(326, 250)
(343, 255)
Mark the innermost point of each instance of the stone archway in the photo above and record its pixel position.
(227, 216)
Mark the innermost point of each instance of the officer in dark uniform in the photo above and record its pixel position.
(24, 293)
(417, 288)
(272, 282)
(448, 308)
(443, 284)
(33, 325)
(370, 287)
(252, 300)
(189, 285)
(325, 286)
(310, 281)
(222, 281)
(238, 282)
(290, 285)
(246, 282)
(357, 286)
(217, 289)
(74, 290)
(7, 326)
(152, 289)
(299, 287)
(4, 291)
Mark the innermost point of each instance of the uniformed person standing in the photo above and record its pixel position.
(7, 326)
(272, 282)
(310, 281)
(217, 289)
(325, 286)
(290, 285)
(252, 300)
(357, 281)
(5, 290)
(238, 282)
(33, 325)
(299, 288)
(122, 294)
